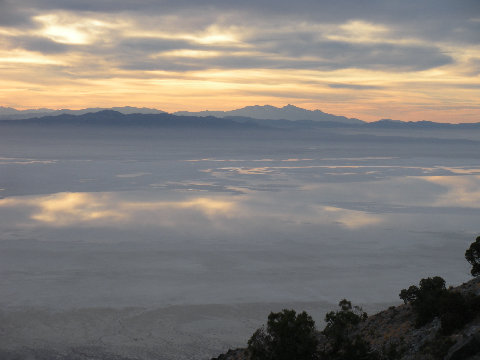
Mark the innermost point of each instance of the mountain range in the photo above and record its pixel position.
(8, 113)
(287, 117)
(264, 112)
(268, 112)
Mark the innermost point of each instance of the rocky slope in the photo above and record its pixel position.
(392, 334)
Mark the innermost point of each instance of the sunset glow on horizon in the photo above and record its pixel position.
(389, 60)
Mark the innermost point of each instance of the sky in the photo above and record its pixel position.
(371, 59)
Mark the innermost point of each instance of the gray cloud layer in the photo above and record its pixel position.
(280, 34)
(423, 13)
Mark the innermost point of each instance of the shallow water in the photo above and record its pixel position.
(157, 220)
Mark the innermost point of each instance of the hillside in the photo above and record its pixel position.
(392, 334)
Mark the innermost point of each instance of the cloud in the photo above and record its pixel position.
(39, 44)
(426, 19)
(12, 14)
(132, 45)
(353, 86)
(289, 51)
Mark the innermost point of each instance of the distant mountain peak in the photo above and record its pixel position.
(261, 112)
(292, 107)
(257, 107)
(269, 112)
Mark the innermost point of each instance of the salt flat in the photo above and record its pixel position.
(179, 243)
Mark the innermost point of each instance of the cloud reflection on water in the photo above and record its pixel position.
(351, 219)
(173, 245)
(313, 203)
(462, 191)
(124, 209)
(101, 209)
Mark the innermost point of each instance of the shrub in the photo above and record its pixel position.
(409, 295)
(473, 256)
(340, 323)
(287, 336)
(425, 299)
(340, 328)
(432, 299)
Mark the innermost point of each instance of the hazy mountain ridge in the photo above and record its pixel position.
(8, 113)
(260, 112)
(133, 118)
(115, 118)
(268, 112)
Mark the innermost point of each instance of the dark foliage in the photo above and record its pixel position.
(259, 345)
(339, 331)
(473, 256)
(432, 300)
(355, 349)
(340, 323)
(425, 299)
(410, 294)
(455, 311)
(287, 336)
